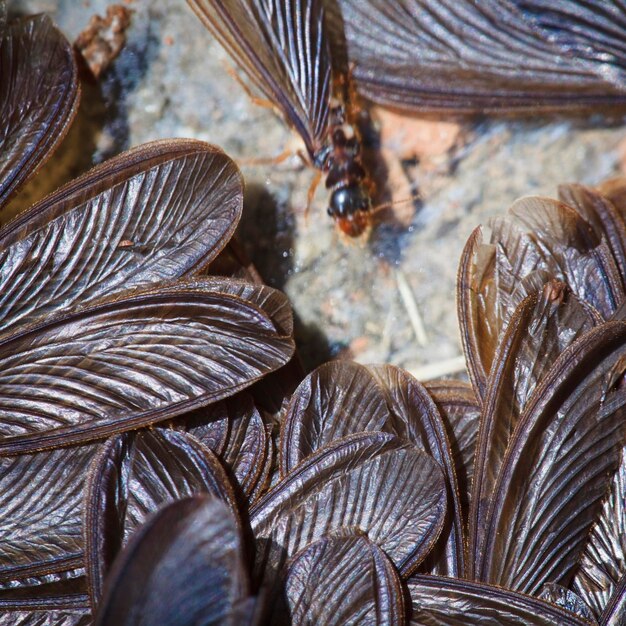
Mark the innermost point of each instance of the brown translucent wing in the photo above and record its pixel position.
(539, 331)
(343, 579)
(41, 508)
(135, 475)
(542, 234)
(55, 617)
(376, 482)
(614, 190)
(272, 392)
(337, 399)
(343, 398)
(46, 592)
(236, 432)
(184, 566)
(130, 362)
(477, 309)
(248, 450)
(563, 597)
(438, 601)
(275, 304)
(149, 215)
(282, 48)
(464, 56)
(602, 564)
(558, 466)
(615, 612)
(209, 425)
(417, 419)
(38, 97)
(602, 215)
(460, 411)
(539, 240)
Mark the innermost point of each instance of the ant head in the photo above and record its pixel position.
(350, 208)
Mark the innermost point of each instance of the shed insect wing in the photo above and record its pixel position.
(284, 50)
(487, 56)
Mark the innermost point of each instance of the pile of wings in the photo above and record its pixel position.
(160, 463)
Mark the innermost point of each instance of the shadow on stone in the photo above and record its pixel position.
(266, 232)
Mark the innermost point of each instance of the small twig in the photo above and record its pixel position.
(439, 369)
(385, 340)
(408, 299)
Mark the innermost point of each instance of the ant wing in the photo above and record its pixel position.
(282, 47)
(492, 55)
(39, 96)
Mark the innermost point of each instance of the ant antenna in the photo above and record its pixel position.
(388, 205)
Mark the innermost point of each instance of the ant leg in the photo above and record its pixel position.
(304, 158)
(311, 193)
(279, 158)
(262, 102)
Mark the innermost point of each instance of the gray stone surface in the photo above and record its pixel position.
(170, 80)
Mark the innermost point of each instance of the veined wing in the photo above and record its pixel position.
(282, 47)
(464, 55)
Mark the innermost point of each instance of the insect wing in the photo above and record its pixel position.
(38, 96)
(282, 48)
(485, 56)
